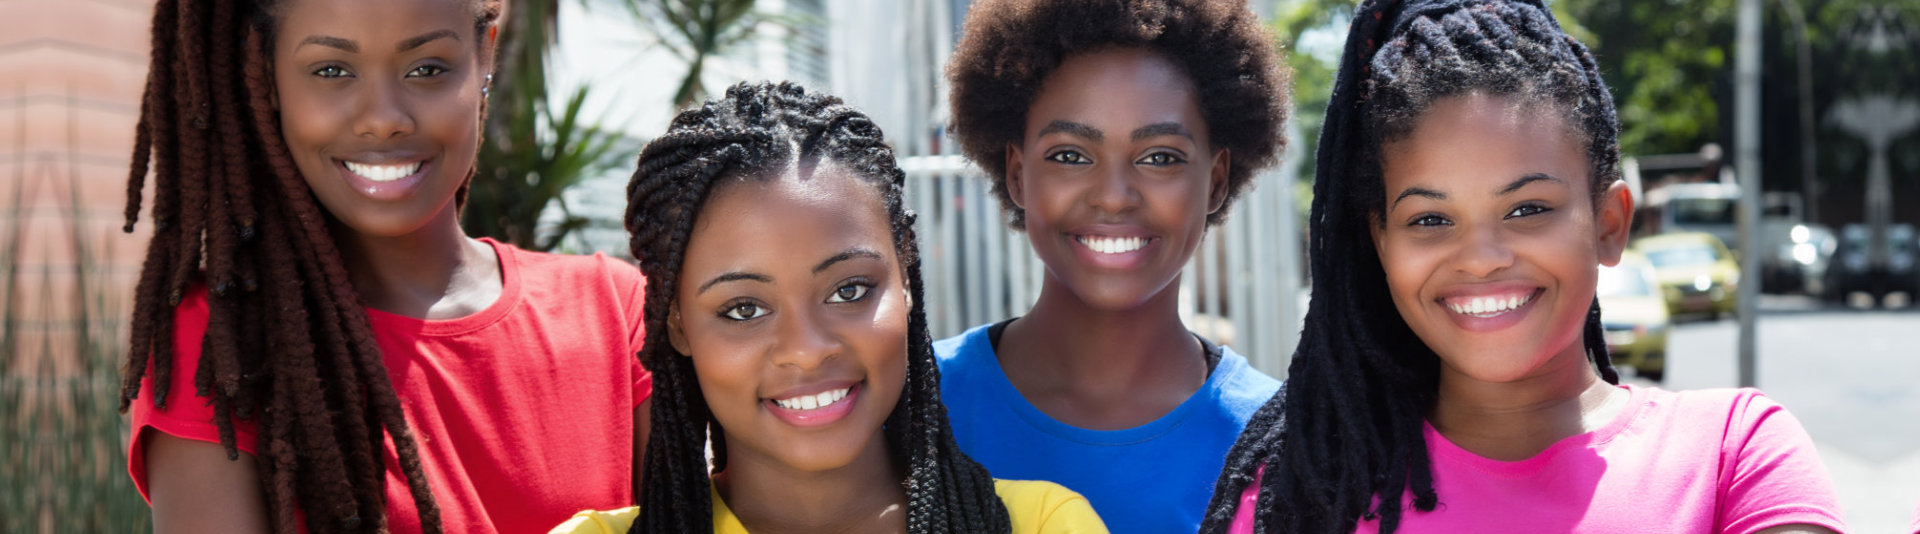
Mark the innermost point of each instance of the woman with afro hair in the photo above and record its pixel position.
(1115, 133)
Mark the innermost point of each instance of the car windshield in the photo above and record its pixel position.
(1701, 210)
(1680, 257)
(1623, 281)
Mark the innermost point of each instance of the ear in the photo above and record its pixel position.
(490, 47)
(676, 334)
(1016, 187)
(1217, 181)
(1613, 222)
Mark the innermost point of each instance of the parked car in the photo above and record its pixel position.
(1634, 316)
(1874, 264)
(1697, 273)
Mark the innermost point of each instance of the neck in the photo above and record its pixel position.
(1101, 368)
(435, 272)
(771, 497)
(1516, 420)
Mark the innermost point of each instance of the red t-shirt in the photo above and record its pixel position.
(523, 412)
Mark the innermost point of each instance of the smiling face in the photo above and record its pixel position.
(798, 335)
(1490, 240)
(1116, 176)
(380, 105)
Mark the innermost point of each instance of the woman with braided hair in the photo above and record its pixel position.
(788, 335)
(1452, 376)
(316, 345)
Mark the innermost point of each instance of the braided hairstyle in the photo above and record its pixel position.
(760, 130)
(1347, 428)
(288, 344)
(1010, 47)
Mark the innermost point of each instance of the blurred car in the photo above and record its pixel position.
(1697, 273)
(1634, 316)
(1874, 264)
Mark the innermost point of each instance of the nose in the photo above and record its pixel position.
(1115, 190)
(384, 112)
(805, 340)
(1484, 252)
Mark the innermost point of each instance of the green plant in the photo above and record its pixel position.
(533, 152)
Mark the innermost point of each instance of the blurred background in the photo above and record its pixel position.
(583, 84)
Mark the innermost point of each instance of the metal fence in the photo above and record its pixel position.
(1242, 288)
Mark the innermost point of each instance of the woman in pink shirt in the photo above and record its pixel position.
(1452, 376)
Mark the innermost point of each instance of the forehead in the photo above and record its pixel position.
(1467, 139)
(372, 18)
(1117, 89)
(770, 223)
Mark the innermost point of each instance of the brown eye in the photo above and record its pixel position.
(744, 311)
(849, 293)
(1068, 157)
(426, 71)
(1160, 159)
(331, 71)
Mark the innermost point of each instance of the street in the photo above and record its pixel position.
(1852, 378)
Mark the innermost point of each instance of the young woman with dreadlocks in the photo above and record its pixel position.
(1114, 133)
(316, 345)
(1452, 376)
(788, 334)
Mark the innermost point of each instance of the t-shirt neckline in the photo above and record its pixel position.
(509, 297)
(1441, 447)
(1002, 388)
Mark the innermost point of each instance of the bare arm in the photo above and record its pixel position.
(193, 487)
(642, 423)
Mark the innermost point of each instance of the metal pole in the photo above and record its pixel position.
(1746, 122)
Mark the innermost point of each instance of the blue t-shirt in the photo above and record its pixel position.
(1156, 477)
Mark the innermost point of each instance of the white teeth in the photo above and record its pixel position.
(1112, 245)
(383, 173)
(1488, 306)
(813, 402)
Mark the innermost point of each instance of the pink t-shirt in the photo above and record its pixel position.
(523, 412)
(1718, 460)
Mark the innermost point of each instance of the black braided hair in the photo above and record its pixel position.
(287, 343)
(753, 133)
(1347, 427)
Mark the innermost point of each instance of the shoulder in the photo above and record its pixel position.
(598, 522)
(966, 346)
(1738, 409)
(1041, 506)
(1241, 388)
(574, 278)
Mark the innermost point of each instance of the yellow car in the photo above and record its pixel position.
(1697, 273)
(1634, 316)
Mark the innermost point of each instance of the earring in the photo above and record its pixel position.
(488, 86)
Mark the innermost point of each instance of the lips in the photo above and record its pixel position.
(1490, 307)
(814, 406)
(384, 178)
(383, 173)
(1487, 305)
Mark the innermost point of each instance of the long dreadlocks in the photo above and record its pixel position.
(1347, 427)
(288, 344)
(757, 130)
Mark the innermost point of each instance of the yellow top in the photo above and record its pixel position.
(1034, 507)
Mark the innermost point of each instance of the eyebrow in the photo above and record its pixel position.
(422, 39)
(1529, 178)
(330, 42)
(735, 276)
(856, 252)
(1072, 128)
(1417, 192)
(409, 43)
(1162, 128)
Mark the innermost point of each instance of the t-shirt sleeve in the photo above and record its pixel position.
(598, 522)
(1772, 475)
(186, 415)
